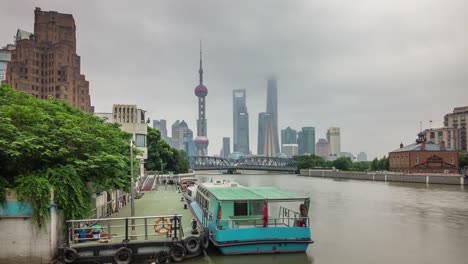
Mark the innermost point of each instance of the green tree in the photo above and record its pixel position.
(343, 163)
(48, 146)
(160, 153)
(360, 166)
(463, 158)
(310, 161)
(374, 166)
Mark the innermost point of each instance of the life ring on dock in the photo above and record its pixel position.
(192, 244)
(162, 225)
(70, 255)
(177, 252)
(205, 240)
(123, 256)
(184, 188)
(162, 257)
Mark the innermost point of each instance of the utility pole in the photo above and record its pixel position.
(132, 194)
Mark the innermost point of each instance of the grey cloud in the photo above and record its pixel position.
(374, 68)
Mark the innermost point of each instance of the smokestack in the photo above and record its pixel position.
(442, 146)
(401, 145)
(423, 145)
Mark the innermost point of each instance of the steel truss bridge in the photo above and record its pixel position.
(247, 163)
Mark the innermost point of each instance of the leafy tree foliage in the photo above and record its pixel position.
(311, 161)
(47, 146)
(360, 166)
(343, 163)
(463, 158)
(162, 157)
(380, 164)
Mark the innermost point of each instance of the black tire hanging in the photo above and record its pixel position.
(70, 255)
(162, 257)
(205, 240)
(177, 252)
(123, 256)
(192, 244)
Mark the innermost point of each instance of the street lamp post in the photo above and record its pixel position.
(132, 193)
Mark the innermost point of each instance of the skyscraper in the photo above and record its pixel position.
(308, 140)
(272, 109)
(265, 123)
(201, 141)
(322, 149)
(189, 145)
(5, 58)
(243, 132)
(288, 136)
(162, 127)
(178, 130)
(226, 151)
(300, 146)
(290, 150)
(45, 64)
(240, 118)
(333, 137)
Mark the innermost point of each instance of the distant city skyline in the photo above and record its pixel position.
(330, 78)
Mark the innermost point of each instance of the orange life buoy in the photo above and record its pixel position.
(162, 225)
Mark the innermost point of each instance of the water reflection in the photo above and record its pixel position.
(214, 257)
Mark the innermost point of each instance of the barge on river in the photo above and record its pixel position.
(251, 220)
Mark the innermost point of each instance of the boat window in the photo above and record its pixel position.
(240, 208)
(256, 207)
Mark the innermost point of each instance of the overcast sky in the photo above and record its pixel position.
(373, 68)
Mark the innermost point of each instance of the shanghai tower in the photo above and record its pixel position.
(272, 109)
(201, 141)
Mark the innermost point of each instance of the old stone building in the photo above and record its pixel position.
(424, 157)
(46, 63)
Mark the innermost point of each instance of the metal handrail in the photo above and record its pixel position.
(258, 221)
(105, 225)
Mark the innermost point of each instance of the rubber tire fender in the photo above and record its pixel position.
(192, 244)
(177, 252)
(162, 257)
(70, 255)
(123, 252)
(205, 240)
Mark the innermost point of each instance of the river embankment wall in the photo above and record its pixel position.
(387, 177)
(22, 240)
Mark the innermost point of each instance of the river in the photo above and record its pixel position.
(368, 222)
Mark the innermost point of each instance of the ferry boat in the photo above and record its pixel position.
(188, 186)
(252, 220)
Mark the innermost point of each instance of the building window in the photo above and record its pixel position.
(452, 160)
(417, 159)
(140, 140)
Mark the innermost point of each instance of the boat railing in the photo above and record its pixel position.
(125, 229)
(250, 222)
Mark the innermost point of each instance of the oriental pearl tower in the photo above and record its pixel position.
(201, 141)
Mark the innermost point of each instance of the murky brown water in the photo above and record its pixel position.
(369, 222)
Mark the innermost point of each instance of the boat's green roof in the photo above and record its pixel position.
(253, 193)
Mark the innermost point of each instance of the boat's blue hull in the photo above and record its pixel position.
(261, 248)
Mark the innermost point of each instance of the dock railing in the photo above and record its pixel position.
(107, 230)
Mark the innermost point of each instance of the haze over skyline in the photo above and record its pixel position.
(373, 68)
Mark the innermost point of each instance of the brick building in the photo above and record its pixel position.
(424, 157)
(46, 64)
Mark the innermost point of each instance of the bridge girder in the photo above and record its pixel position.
(248, 163)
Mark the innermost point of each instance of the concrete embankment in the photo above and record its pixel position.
(390, 177)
